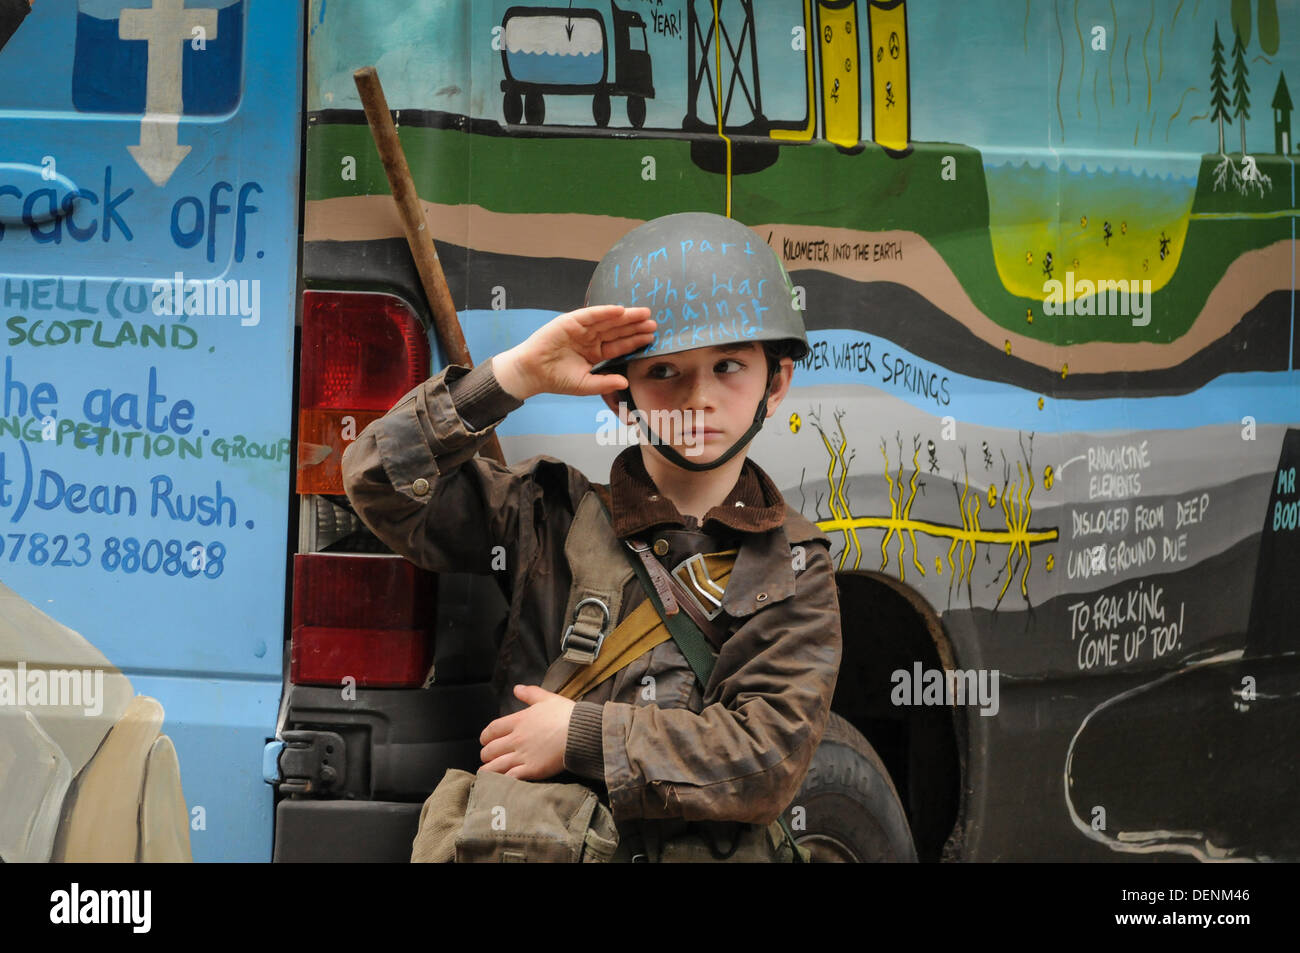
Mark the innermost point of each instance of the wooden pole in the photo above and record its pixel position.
(418, 236)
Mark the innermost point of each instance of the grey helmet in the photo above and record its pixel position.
(738, 290)
(707, 280)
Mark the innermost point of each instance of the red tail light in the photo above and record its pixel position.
(361, 351)
(368, 617)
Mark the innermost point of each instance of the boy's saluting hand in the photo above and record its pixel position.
(558, 357)
(529, 745)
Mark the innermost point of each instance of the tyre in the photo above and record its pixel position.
(534, 109)
(851, 812)
(600, 109)
(636, 111)
(512, 105)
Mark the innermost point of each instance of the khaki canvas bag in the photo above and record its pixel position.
(490, 817)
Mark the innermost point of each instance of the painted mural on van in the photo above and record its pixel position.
(1046, 257)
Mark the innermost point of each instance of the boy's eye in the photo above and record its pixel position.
(661, 371)
(736, 365)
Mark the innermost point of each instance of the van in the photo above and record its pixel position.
(1049, 417)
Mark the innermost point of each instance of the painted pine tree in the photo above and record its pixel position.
(1218, 87)
(1240, 88)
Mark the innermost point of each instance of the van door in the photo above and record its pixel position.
(148, 261)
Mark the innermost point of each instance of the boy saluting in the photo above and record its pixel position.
(701, 365)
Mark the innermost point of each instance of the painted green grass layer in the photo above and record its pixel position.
(812, 185)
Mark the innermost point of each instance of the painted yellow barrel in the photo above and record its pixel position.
(837, 25)
(890, 116)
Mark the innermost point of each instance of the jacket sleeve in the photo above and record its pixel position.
(744, 756)
(413, 479)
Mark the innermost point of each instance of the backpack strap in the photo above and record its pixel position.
(596, 594)
(639, 632)
(690, 640)
(592, 648)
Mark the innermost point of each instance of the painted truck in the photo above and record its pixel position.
(560, 50)
(1050, 420)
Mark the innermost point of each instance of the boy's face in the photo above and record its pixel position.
(702, 401)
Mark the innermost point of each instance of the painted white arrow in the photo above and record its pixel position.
(158, 153)
(1061, 468)
(166, 27)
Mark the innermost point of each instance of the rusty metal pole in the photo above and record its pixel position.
(418, 236)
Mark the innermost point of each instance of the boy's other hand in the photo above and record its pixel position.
(558, 357)
(529, 745)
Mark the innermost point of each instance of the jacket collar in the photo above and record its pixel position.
(763, 574)
(754, 504)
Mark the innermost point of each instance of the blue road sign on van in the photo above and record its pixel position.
(148, 196)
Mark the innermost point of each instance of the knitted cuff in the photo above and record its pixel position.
(479, 395)
(584, 753)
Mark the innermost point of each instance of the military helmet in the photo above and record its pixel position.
(707, 280)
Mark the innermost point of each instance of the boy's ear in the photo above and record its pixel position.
(780, 385)
(614, 401)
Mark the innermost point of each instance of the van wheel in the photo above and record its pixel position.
(600, 109)
(513, 108)
(534, 109)
(851, 811)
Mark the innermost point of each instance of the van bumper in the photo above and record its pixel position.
(312, 831)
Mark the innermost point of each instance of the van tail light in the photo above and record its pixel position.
(361, 351)
(368, 617)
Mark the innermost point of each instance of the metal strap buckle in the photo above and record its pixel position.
(584, 651)
(702, 587)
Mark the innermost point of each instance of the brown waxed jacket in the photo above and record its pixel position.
(649, 739)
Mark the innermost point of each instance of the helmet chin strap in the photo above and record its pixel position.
(676, 458)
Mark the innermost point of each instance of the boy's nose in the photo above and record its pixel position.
(699, 392)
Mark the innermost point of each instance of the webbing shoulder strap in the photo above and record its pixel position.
(690, 640)
(596, 593)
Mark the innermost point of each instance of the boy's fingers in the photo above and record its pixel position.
(602, 332)
(597, 314)
(495, 749)
(629, 342)
(498, 745)
(621, 328)
(496, 729)
(501, 754)
(603, 315)
(502, 764)
(601, 384)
